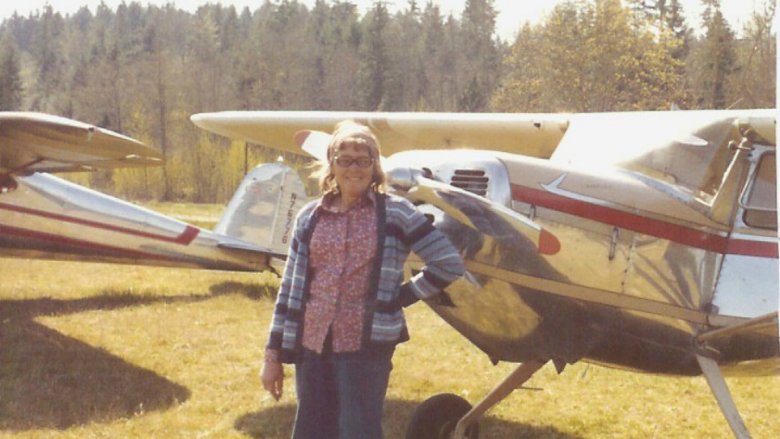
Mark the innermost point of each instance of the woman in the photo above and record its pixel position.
(338, 314)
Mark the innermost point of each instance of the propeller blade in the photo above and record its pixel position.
(482, 215)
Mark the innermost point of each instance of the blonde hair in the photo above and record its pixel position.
(351, 132)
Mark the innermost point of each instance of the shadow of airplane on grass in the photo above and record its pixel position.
(276, 423)
(49, 380)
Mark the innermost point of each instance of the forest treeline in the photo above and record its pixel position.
(142, 70)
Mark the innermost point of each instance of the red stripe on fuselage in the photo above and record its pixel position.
(648, 226)
(746, 247)
(184, 238)
(57, 239)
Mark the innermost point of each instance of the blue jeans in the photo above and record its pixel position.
(340, 396)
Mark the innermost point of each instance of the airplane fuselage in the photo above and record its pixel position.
(639, 273)
(44, 216)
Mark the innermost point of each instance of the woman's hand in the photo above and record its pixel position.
(273, 378)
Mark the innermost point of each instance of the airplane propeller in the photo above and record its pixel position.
(480, 214)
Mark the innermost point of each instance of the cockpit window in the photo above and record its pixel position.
(688, 150)
(761, 201)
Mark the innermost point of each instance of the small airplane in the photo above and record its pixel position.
(642, 240)
(43, 216)
(645, 241)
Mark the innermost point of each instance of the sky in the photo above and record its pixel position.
(511, 13)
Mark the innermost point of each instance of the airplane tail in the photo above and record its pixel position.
(264, 207)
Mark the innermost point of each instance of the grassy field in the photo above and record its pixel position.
(107, 351)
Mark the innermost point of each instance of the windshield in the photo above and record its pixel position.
(760, 201)
(687, 149)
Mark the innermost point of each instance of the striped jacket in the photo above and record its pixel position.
(401, 228)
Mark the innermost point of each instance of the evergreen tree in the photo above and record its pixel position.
(757, 76)
(665, 15)
(716, 59)
(245, 67)
(342, 65)
(648, 10)
(481, 56)
(279, 63)
(374, 60)
(208, 59)
(10, 78)
(320, 46)
(436, 79)
(157, 80)
(406, 74)
(672, 17)
(45, 89)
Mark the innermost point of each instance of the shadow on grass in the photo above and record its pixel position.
(276, 423)
(49, 380)
(252, 291)
(117, 299)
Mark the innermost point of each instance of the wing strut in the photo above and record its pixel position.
(767, 323)
(723, 396)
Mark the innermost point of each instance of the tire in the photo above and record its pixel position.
(437, 417)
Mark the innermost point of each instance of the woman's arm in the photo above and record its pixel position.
(285, 288)
(282, 300)
(272, 374)
(443, 263)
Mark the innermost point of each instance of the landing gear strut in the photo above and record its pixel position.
(448, 416)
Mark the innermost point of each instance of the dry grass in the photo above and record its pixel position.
(105, 351)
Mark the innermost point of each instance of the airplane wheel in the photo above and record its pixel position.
(437, 417)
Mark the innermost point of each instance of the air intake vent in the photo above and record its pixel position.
(472, 180)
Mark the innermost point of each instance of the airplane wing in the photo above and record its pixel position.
(36, 142)
(528, 134)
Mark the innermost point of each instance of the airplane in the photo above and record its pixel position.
(644, 241)
(44, 216)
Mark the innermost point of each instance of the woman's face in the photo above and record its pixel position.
(353, 180)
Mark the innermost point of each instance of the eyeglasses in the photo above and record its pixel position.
(346, 161)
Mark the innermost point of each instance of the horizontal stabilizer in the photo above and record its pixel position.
(36, 142)
(263, 209)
